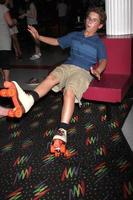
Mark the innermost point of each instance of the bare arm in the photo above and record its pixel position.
(9, 20)
(47, 40)
(101, 67)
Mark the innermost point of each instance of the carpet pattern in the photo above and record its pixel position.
(101, 165)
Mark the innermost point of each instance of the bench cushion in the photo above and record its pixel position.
(111, 88)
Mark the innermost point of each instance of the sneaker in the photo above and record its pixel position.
(33, 81)
(61, 134)
(35, 56)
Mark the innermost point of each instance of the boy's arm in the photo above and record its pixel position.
(47, 40)
(99, 69)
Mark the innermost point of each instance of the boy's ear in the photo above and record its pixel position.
(100, 26)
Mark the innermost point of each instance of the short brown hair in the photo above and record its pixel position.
(100, 11)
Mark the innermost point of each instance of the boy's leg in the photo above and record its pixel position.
(73, 91)
(66, 114)
(68, 106)
(46, 85)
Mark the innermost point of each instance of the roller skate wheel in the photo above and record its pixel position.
(11, 113)
(18, 112)
(63, 148)
(57, 154)
(67, 153)
(8, 84)
(3, 92)
(52, 149)
(7, 92)
(11, 92)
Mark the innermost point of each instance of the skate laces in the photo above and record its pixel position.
(61, 132)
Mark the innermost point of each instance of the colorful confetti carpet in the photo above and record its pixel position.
(101, 162)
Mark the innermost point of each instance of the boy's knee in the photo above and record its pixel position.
(69, 92)
(52, 78)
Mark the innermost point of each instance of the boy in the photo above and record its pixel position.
(75, 74)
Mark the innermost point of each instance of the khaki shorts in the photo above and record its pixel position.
(72, 76)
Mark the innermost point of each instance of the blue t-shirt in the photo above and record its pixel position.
(84, 51)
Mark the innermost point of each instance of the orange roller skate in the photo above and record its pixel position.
(58, 148)
(10, 91)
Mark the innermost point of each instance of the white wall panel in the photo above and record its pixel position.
(119, 17)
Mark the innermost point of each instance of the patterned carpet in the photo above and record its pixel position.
(101, 165)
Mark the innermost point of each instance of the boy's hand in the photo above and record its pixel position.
(33, 32)
(95, 73)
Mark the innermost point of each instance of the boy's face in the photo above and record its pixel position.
(92, 22)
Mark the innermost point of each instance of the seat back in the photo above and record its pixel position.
(119, 55)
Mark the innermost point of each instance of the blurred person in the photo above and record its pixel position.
(14, 31)
(6, 22)
(31, 17)
(62, 10)
(15, 41)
